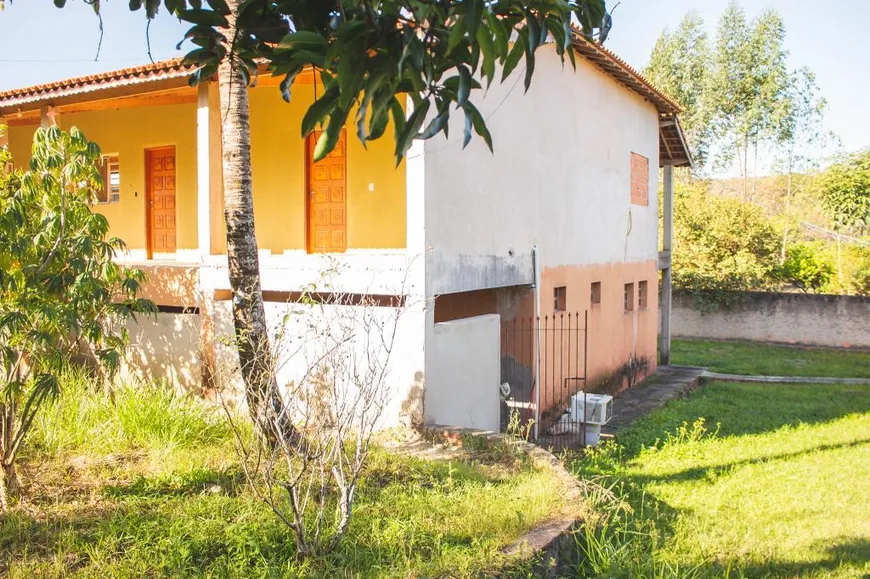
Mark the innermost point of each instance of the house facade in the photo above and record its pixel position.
(562, 218)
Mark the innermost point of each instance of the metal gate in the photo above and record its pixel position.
(543, 375)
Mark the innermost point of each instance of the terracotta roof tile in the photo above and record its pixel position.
(612, 65)
(161, 70)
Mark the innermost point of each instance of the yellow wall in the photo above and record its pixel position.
(375, 219)
(127, 133)
(20, 142)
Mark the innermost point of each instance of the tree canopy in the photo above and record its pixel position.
(367, 52)
(736, 89)
(845, 190)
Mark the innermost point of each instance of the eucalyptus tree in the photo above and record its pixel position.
(367, 53)
(680, 65)
(749, 84)
(801, 133)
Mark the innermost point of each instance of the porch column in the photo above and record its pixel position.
(209, 191)
(47, 117)
(665, 261)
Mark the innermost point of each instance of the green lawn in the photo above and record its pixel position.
(770, 360)
(738, 480)
(150, 486)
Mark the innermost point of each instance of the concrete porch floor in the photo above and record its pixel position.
(668, 383)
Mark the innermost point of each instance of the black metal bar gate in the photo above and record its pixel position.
(543, 375)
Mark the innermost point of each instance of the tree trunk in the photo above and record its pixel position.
(839, 264)
(10, 486)
(787, 217)
(249, 317)
(745, 163)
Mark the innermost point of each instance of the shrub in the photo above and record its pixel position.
(722, 246)
(806, 268)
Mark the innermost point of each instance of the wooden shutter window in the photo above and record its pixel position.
(111, 174)
(639, 179)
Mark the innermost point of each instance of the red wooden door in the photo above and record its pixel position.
(160, 175)
(327, 198)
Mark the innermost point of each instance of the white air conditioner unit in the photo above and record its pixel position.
(587, 412)
(598, 408)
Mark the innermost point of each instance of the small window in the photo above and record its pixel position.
(639, 179)
(111, 173)
(596, 292)
(629, 297)
(560, 299)
(642, 295)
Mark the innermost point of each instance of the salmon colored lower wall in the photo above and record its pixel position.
(614, 334)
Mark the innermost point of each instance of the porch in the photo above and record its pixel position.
(161, 146)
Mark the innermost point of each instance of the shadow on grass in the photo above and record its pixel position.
(852, 552)
(205, 523)
(741, 409)
(713, 471)
(194, 482)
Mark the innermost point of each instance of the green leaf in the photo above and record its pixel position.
(347, 78)
(457, 33)
(412, 127)
(533, 31)
(203, 18)
(287, 83)
(219, 6)
(329, 138)
(152, 7)
(469, 123)
(197, 56)
(512, 60)
(319, 110)
(485, 41)
(474, 16)
(501, 40)
(530, 63)
(479, 124)
(303, 39)
(435, 126)
(464, 86)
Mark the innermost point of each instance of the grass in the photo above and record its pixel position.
(739, 480)
(771, 360)
(149, 486)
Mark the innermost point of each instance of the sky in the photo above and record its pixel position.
(39, 43)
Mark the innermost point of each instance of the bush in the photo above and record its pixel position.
(722, 246)
(806, 268)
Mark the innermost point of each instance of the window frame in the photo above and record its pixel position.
(639, 179)
(643, 294)
(595, 293)
(108, 195)
(628, 298)
(560, 298)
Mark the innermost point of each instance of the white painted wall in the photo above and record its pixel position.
(559, 179)
(165, 348)
(296, 331)
(463, 372)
